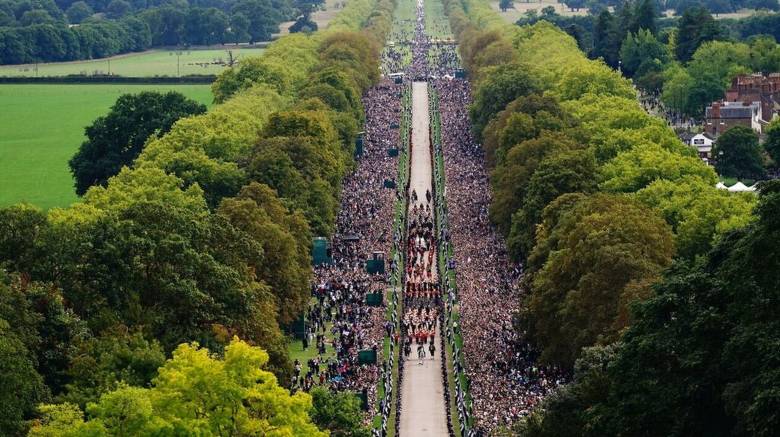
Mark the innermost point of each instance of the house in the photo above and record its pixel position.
(757, 88)
(703, 144)
(752, 100)
(723, 115)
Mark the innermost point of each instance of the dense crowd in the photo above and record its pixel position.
(339, 317)
(417, 55)
(505, 380)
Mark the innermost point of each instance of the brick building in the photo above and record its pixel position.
(753, 100)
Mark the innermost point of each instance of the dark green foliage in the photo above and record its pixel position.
(695, 27)
(116, 139)
(566, 172)
(607, 38)
(21, 386)
(772, 142)
(701, 355)
(595, 257)
(35, 31)
(78, 11)
(738, 154)
(98, 365)
(338, 413)
(500, 86)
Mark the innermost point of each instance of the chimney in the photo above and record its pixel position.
(715, 110)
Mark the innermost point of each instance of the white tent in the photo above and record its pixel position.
(739, 187)
(721, 186)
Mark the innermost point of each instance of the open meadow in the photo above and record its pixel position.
(171, 63)
(42, 126)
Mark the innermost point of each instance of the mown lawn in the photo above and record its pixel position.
(42, 126)
(145, 64)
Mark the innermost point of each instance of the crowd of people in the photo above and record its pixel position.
(339, 322)
(505, 380)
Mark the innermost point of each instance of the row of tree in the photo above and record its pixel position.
(600, 200)
(678, 6)
(35, 35)
(673, 59)
(203, 236)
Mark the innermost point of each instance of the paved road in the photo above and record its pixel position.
(420, 177)
(422, 393)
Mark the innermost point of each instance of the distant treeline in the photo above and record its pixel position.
(48, 31)
(679, 6)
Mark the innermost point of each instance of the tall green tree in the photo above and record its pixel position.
(338, 412)
(738, 154)
(607, 39)
(699, 358)
(695, 27)
(116, 139)
(496, 89)
(596, 255)
(641, 49)
(644, 17)
(772, 142)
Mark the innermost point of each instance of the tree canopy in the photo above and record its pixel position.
(116, 139)
(193, 393)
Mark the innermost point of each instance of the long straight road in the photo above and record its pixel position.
(423, 410)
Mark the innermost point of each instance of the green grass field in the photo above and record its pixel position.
(42, 126)
(437, 24)
(144, 64)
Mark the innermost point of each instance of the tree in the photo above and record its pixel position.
(597, 255)
(116, 139)
(510, 179)
(764, 54)
(22, 385)
(102, 364)
(607, 39)
(118, 9)
(195, 393)
(498, 87)
(698, 359)
(644, 17)
(239, 28)
(738, 154)
(78, 11)
(636, 168)
(561, 173)
(263, 18)
(338, 412)
(36, 16)
(772, 143)
(286, 241)
(695, 27)
(639, 50)
(699, 213)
